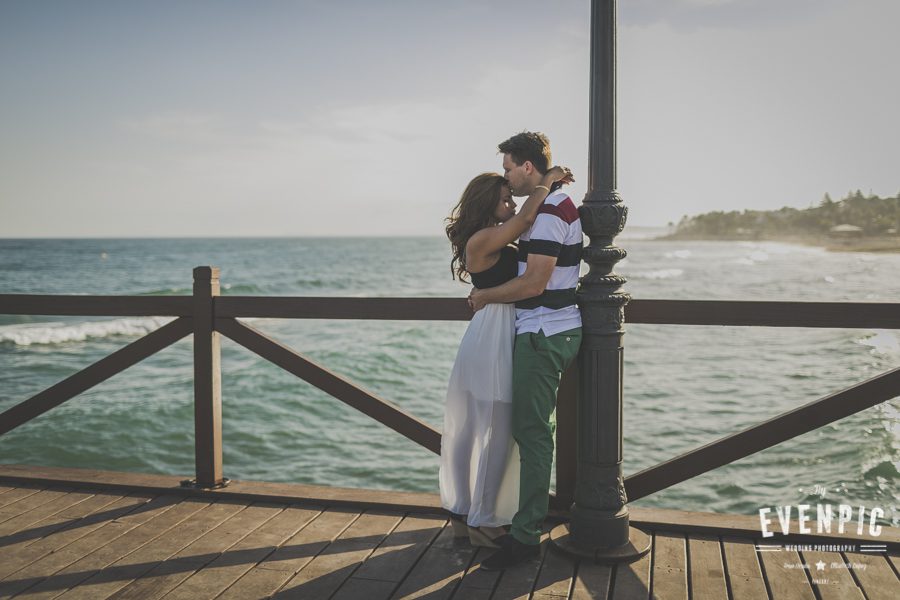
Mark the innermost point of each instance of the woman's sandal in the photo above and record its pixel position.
(460, 529)
(485, 536)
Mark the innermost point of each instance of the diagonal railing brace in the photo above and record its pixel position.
(96, 373)
(789, 425)
(381, 410)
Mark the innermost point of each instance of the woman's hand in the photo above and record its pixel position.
(557, 173)
(476, 299)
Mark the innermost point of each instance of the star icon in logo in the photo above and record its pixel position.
(820, 566)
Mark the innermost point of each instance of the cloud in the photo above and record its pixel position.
(176, 126)
(404, 122)
(723, 14)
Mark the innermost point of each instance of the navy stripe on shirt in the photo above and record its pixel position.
(567, 255)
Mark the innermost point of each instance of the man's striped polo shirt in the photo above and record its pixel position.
(556, 232)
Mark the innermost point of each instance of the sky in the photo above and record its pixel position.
(368, 118)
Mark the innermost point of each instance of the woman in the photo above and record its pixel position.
(479, 474)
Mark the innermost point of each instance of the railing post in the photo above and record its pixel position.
(207, 381)
(600, 528)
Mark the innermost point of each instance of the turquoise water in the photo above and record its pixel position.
(684, 386)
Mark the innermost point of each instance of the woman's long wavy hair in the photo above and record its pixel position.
(475, 210)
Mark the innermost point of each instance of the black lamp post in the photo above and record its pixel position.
(599, 527)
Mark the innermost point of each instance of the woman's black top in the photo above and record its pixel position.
(502, 271)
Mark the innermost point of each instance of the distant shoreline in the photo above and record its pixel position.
(832, 244)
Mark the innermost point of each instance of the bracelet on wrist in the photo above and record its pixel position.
(542, 187)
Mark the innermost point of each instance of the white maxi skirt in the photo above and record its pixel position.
(479, 474)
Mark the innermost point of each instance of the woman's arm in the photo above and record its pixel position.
(492, 239)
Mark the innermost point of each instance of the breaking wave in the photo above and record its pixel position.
(61, 333)
(882, 341)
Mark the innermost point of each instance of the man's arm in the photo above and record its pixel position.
(529, 284)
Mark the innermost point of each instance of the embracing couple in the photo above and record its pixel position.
(498, 438)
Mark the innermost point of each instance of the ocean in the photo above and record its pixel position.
(684, 386)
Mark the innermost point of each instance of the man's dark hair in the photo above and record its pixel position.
(529, 146)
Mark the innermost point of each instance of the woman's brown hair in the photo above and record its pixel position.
(475, 210)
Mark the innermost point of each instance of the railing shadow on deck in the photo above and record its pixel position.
(206, 315)
(410, 559)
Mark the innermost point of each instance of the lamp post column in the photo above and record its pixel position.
(599, 526)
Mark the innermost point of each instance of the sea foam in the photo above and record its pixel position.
(660, 274)
(882, 341)
(61, 333)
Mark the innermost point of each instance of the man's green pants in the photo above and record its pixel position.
(538, 364)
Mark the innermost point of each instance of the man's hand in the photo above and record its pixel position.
(477, 300)
(557, 173)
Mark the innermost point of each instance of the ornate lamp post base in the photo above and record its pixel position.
(637, 546)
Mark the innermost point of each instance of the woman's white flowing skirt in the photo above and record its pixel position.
(479, 474)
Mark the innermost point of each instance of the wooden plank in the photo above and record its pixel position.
(742, 569)
(97, 511)
(14, 542)
(39, 570)
(164, 519)
(309, 307)
(555, 578)
(268, 576)
(247, 491)
(632, 580)
(15, 510)
(785, 426)
(149, 556)
(517, 583)
(94, 374)
(670, 567)
(786, 575)
(16, 494)
(76, 562)
(333, 566)
(397, 554)
(707, 572)
(99, 306)
(844, 315)
(831, 582)
(440, 569)
(365, 589)
(874, 575)
(39, 513)
(293, 493)
(476, 583)
(381, 410)
(221, 573)
(592, 581)
(163, 578)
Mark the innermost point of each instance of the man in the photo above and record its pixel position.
(548, 335)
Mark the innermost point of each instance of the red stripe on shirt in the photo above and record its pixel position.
(565, 210)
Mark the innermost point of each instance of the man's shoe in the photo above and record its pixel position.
(512, 552)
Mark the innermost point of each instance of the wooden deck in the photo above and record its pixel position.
(85, 541)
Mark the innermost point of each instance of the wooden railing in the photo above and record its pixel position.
(206, 315)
